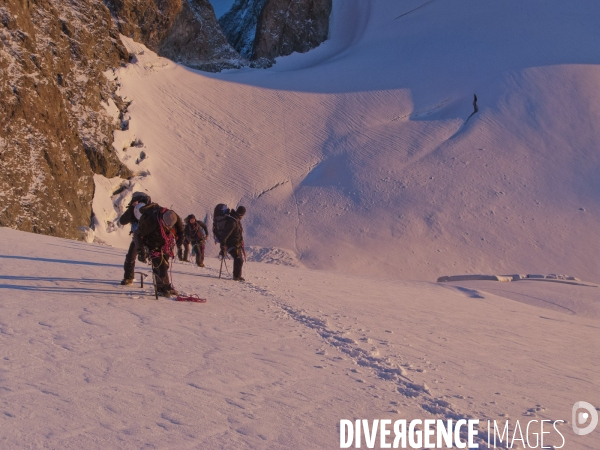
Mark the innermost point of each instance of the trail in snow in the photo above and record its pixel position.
(272, 363)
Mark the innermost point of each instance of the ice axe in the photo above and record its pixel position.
(142, 276)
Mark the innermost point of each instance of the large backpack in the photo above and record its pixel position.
(219, 228)
(156, 237)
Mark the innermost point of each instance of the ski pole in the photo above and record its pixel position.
(221, 269)
(154, 280)
(226, 268)
(154, 283)
(155, 288)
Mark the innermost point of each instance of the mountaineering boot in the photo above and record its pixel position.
(201, 265)
(168, 293)
(171, 290)
(239, 279)
(126, 281)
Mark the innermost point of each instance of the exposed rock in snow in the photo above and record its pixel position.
(239, 24)
(185, 31)
(55, 124)
(266, 29)
(287, 26)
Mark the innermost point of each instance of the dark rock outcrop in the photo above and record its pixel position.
(55, 132)
(240, 23)
(185, 31)
(266, 29)
(287, 26)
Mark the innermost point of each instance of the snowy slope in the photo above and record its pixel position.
(273, 363)
(357, 156)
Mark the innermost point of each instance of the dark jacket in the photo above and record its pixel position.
(193, 231)
(233, 231)
(148, 233)
(129, 218)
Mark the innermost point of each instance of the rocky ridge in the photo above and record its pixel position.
(287, 26)
(266, 29)
(185, 31)
(58, 112)
(239, 25)
(59, 107)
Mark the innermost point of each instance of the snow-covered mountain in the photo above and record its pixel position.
(365, 158)
(363, 155)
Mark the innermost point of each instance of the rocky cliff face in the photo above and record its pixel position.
(266, 29)
(55, 129)
(58, 110)
(239, 25)
(185, 31)
(287, 26)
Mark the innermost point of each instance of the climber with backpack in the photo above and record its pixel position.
(229, 234)
(195, 233)
(128, 217)
(158, 232)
